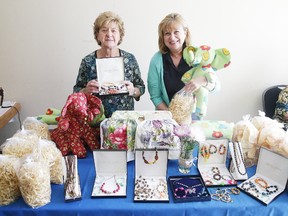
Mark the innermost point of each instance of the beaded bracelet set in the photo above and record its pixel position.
(207, 150)
(224, 195)
(150, 189)
(259, 188)
(213, 176)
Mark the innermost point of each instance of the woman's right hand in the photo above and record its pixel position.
(91, 87)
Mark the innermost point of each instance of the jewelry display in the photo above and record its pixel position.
(142, 190)
(215, 170)
(270, 190)
(72, 182)
(116, 186)
(222, 149)
(150, 189)
(205, 152)
(224, 194)
(189, 188)
(259, 188)
(107, 185)
(239, 160)
(180, 192)
(161, 189)
(261, 182)
(212, 149)
(208, 182)
(150, 162)
(217, 176)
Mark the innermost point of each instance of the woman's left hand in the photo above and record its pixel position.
(130, 87)
(195, 83)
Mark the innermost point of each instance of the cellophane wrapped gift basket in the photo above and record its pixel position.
(247, 134)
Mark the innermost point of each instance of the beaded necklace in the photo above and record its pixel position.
(236, 156)
(150, 162)
(111, 191)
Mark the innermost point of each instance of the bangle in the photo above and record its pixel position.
(222, 149)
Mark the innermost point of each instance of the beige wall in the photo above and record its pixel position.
(43, 42)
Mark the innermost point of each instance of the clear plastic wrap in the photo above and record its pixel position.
(9, 187)
(246, 133)
(181, 106)
(34, 181)
(51, 154)
(18, 146)
(41, 129)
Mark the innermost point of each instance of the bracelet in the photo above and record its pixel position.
(222, 149)
(217, 176)
(212, 149)
(269, 190)
(261, 182)
(180, 192)
(205, 152)
(215, 170)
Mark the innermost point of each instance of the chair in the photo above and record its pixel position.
(269, 99)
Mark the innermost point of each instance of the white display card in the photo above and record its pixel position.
(111, 173)
(212, 156)
(150, 175)
(270, 178)
(110, 73)
(237, 166)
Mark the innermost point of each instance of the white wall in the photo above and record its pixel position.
(43, 42)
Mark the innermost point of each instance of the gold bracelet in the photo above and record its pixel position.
(261, 182)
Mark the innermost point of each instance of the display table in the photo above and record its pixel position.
(6, 114)
(242, 204)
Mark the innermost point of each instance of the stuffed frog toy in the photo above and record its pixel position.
(204, 61)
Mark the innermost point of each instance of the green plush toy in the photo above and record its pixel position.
(52, 116)
(205, 62)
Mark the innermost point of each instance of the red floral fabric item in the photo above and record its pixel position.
(73, 130)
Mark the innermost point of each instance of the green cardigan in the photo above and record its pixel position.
(155, 81)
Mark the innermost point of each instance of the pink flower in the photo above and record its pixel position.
(119, 137)
(182, 130)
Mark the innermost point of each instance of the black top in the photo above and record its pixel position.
(172, 75)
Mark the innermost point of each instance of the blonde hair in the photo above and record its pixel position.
(105, 18)
(166, 23)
